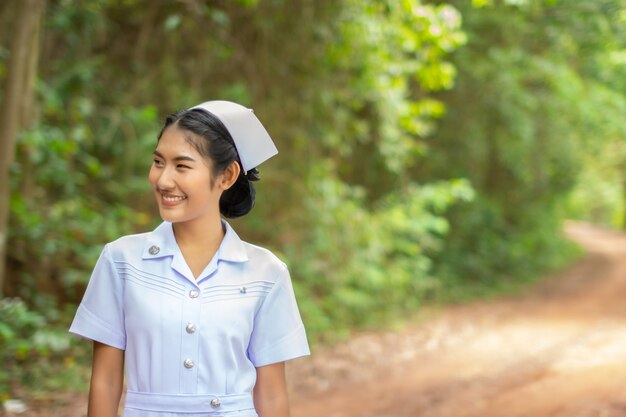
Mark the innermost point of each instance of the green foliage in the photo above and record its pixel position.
(34, 353)
(528, 112)
(74, 188)
(363, 266)
(503, 256)
(390, 55)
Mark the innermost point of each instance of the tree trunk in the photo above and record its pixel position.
(16, 105)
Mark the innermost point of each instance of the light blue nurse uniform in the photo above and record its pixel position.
(191, 345)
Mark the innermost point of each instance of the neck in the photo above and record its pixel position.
(206, 233)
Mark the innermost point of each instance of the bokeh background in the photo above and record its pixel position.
(429, 150)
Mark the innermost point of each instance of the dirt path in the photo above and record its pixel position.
(557, 351)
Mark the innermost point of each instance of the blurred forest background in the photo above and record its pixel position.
(429, 150)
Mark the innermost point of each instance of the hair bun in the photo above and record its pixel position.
(238, 200)
(253, 175)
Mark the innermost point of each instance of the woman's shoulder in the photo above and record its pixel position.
(156, 243)
(260, 257)
(128, 244)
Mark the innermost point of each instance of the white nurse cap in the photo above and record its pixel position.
(252, 141)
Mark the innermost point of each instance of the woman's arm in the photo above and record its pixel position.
(107, 379)
(270, 391)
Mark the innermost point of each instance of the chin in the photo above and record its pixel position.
(170, 217)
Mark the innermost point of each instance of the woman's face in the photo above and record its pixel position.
(182, 180)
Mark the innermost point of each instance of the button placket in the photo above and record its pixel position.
(189, 360)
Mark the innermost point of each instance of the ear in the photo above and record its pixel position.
(230, 175)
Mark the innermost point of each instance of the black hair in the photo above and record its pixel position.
(218, 145)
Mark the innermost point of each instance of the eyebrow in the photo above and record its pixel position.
(178, 158)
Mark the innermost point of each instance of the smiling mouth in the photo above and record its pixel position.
(172, 199)
(169, 198)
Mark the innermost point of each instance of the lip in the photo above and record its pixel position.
(170, 200)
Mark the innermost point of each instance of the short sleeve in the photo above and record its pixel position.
(100, 315)
(278, 333)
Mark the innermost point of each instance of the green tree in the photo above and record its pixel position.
(530, 104)
(17, 100)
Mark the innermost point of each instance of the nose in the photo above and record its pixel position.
(163, 179)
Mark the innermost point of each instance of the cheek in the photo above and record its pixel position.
(153, 176)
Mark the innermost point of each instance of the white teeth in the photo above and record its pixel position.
(173, 198)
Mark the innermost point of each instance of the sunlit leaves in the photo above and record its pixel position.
(391, 54)
(482, 3)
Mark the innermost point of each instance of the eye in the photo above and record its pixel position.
(182, 166)
(157, 162)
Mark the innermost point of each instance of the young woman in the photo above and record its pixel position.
(201, 321)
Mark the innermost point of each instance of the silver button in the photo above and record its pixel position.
(242, 290)
(154, 250)
(215, 402)
(191, 328)
(193, 294)
(188, 363)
